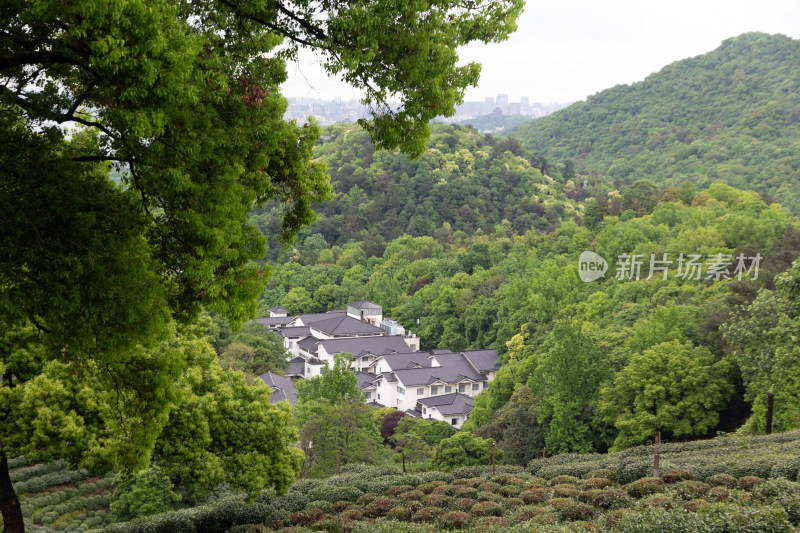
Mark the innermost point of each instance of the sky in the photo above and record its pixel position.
(566, 50)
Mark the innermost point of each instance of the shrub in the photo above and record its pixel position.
(658, 501)
(366, 499)
(510, 491)
(565, 491)
(493, 522)
(398, 489)
(607, 499)
(468, 481)
(689, 490)
(644, 487)
(352, 514)
(695, 505)
(427, 488)
(466, 492)
(436, 500)
(342, 505)
(334, 493)
(412, 495)
(781, 491)
(428, 514)
(604, 473)
(463, 504)
(719, 494)
(748, 482)
(400, 513)
(486, 509)
(561, 480)
(489, 486)
(486, 496)
(449, 490)
(455, 520)
(675, 475)
(537, 482)
(722, 480)
(378, 507)
(570, 509)
(534, 496)
(307, 517)
(322, 505)
(528, 512)
(596, 483)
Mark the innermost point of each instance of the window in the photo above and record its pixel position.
(424, 410)
(454, 421)
(401, 390)
(476, 386)
(485, 384)
(420, 392)
(448, 388)
(368, 395)
(434, 391)
(462, 387)
(379, 396)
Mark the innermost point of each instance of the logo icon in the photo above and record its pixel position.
(591, 266)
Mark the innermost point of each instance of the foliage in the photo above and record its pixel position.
(671, 387)
(725, 116)
(336, 426)
(763, 338)
(463, 449)
(224, 430)
(147, 492)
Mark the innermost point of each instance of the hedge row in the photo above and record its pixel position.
(768, 456)
(216, 518)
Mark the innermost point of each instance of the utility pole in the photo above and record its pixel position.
(657, 458)
(493, 459)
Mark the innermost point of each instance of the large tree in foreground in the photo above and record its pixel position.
(181, 100)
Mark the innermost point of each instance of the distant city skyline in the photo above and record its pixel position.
(565, 51)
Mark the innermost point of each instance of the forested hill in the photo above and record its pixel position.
(732, 115)
(464, 182)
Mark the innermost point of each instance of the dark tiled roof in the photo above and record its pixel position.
(450, 404)
(295, 331)
(278, 310)
(297, 367)
(364, 304)
(399, 361)
(365, 379)
(282, 388)
(273, 321)
(310, 318)
(309, 344)
(453, 370)
(483, 360)
(345, 325)
(375, 345)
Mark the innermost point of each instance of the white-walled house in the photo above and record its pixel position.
(402, 380)
(452, 408)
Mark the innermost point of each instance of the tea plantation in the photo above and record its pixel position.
(727, 484)
(54, 498)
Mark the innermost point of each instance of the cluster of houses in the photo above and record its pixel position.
(392, 370)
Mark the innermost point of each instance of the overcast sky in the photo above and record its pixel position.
(565, 50)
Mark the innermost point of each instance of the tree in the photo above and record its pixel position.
(147, 492)
(463, 449)
(762, 337)
(224, 430)
(567, 383)
(672, 387)
(182, 100)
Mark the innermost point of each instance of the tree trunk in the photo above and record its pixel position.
(9, 503)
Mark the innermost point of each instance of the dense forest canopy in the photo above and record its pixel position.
(731, 115)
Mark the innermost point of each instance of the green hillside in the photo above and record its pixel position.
(495, 123)
(732, 115)
(465, 179)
